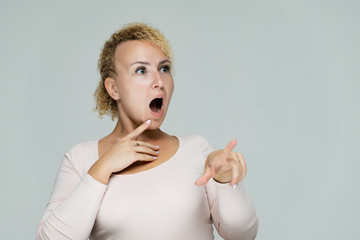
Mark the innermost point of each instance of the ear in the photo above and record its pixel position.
(111, 88)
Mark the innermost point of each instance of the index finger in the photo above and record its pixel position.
(139, 130)
(231, 145)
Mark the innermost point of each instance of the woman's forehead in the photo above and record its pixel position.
(138, 50)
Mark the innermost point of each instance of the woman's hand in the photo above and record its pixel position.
(224, 166)
(124, 153)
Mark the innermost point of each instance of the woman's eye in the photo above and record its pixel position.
(165, 69)
(141, 70)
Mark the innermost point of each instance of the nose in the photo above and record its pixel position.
(158, 82)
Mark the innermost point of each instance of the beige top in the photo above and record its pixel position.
(160, 203)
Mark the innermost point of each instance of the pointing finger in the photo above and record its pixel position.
(137, 131)
(228, 149)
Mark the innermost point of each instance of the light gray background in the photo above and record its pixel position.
(280, 76)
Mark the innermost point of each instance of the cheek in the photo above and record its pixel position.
(132, 88)
(171, 86)
(137, 94)
(132, 97)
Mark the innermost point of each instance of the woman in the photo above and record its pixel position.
(138, 181)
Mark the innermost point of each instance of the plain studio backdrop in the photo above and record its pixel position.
(281, 76)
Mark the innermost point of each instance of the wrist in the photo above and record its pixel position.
(99, 172)
(223, 177)
(222, 181)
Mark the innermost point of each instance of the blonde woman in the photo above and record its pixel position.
(139, 182)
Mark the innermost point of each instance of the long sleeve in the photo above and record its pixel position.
(74, 203)
(81, 207)
(232, 210)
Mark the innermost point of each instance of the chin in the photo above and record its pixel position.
(155, 124)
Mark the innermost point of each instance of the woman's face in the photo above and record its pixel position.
(143, 81)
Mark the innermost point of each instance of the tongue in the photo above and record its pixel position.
(154, 106)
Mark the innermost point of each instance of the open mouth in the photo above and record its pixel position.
(156, 104)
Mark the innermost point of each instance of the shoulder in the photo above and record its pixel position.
(81, 149)
(193, 138)
(83, 155)
(197, 143)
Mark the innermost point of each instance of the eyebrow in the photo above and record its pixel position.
(147, 63)
(140, 62)
(165, 61)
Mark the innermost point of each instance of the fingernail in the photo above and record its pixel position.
(157, 152)
(234, 186)
(155, 158)
(148, 121)
(157, 146)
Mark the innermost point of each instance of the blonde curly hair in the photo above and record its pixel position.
(133, 31)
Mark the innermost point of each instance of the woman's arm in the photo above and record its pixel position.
(232, 211)
(75, 200)
(74, 203)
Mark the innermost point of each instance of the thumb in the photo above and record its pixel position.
(205, 177)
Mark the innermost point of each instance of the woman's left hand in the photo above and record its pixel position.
(224, 166)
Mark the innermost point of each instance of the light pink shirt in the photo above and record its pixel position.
(160, 203)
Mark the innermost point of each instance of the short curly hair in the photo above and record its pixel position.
(133, 31)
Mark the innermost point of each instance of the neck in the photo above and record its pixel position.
(123, 128)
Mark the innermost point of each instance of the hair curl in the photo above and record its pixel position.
(133, 31)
